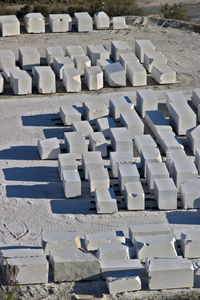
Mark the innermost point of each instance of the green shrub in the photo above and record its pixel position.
(23, 11)
(42, 9)
(175, 11)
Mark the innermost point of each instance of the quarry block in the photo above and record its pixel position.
(156, 121)
(190, 193)
(9, 25)
(93, 77)
(165, 193)
(29, 57)
(60, 63)
(98, 143)
(71, 183)
(69, 114)
(121, 140)
(190, 243)
(98, 179)
(152, 58)
(90, 161)
(131, 121)
(7, 59)
(102, 63)
(83, 22)
(75, 143)
(48, 148)
(123, 284)
(168, 141)
(149, 155)
(115, 74)
(20, 82)
(119, 158)
(60, 22)
(117, 105)
(105, 201)
(94, 240)
(1, 84)
(44, 79)
(52, 52)
(34, 23)
(104, 125)
(128, 173)
(83, 127)
(96, 52)
(155, 170)
(113, 251)
(7, 70)
(141, 47)
(101, 20)
(163, 74)
(118, 47)
(146, 100)
(66, 161)
(193, 138)
(93, 110)
(73, 51)
(118, 23)
(196, 97)
(136, 74)
(127, 58)
(71, 80)
(82, 62)
(135, 196)
(143, 141)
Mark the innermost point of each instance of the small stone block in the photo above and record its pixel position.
(7, 59)
(83, 22)
(118, 23)
(60, 63)
(20, 82)
(71, 183)
(49, 148)
(148, 229)
(105, 201)
(101, 20)
(75, 143)
(66, 161)
(98, 143)
(118, 47)
(119, 158)
(93, 110)
(136, 74)
(90, 161)
(123, 284)
(9, 25)
(82, 62)
(69, 114)
(60, 22)
(96, 52)
(44, 79)
(34, 23)
(155, 170)
(93, 77)
(141, 47)
(29, 57)
(121, 140)
(83, 127)
(73, 51)
(104, 125)
(152, 58)
(93, 240)
(115, 74)
(132, 122)
(135, 197)
(190, 193)
(165, 193)
(113, 251)
(71, 80)
(98, 178)
(128, 173)
(163, 74)
(145, 100)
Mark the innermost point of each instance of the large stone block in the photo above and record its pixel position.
(83, 127)
(94, 240)
(168, 141)
(20, 82)
(190, 243)
(104, 125)
(90, 161)
(60, 63)
(118, 47)
(123, 284)
(149, 155)
(121, 140)
(102, 63)
(175, 96)
(60, 22)
(115, 74)
(75, 143)
(69, 114)
(74, 265)
(128, 173)
(117, 105)
(99, 179)
(118, 23)
(44, 79)
(156, 121)
(190, 193)
(146, 100)
(135, 196)
(105, 200)
(136, 74)
(141, 47)
(119, 158)
(7, 70)
(7, 59)
(152, 58)
(143, 141)
(171, 156)
(73, 51)
(155, 170)
(82, 62)
(165, 193)
(9, 25)
(48, 148)
(92, 110)
(101, 20)
(113, 251)
(98, 143)
(197, 160)
(29, 57)
(96, 52)
(132, 122)
(93, 77)
(52, 52)
(83, 22)
(34, 23)
(163, 74)
(71, 183)
(71, 80)
(127, 58)
(66, 161)
(193, 138)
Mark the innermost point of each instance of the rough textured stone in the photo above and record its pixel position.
(128, 173)
(118, 158)
(69, 114)
(190, 243)
(149, 155)
(92, 110)
(83, 127)
(190, 193)
(142, 141)
(163, 74)
(34, 23)
(113, 251)
(60, 63)
(118, 47)
(156, 121)
(135, 197)
(20, 82)
(90, 161)
(98, 143)
(127, 58)
(7, 70)
(155, 170)
(66, 161)
(52, 52)
(168, 141)
(117, 105)
(96, 52)
(105, 201)
(73, 51)
(118, 23)
(115, 74)
(101, 20)
(123, 284)
(60, 22)
(148, 229)
(82, 62)
(152, 58)
(98, 178)
(132, 122)
(93, 77)
(121, 140)
(104, 125)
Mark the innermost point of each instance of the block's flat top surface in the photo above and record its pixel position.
(65, 60)
(94, 156)
(75, 50)
(154, 238)
(95, 106)
(105, 195)
(17, 73)
(121, 134)
(43, 70)
(66, 159)
(97, 137)
(82, 15)
(191, 186)
(81, 59)
(71, 175)
(151, 153)
(34, 16)
(75, 137)
(165, 184)
(82, 126)
(113, 246)
(148, 229)
(7, 53)
(97, 49)
(49, 143)
(23, 261)
(101, 14)
(121, 45)
(72, 256)
(184, 110)
(98, 174)
(163, 68)
(146, 94)
(169, 264)
(115, 67)
(68, 109)
(136, 67)
(29, 51)
(155, 55)
(134, 188)
(145, 43)
(94, 70)
(107, 265)
(128, 57)
(59, 236)
(71, 72)
(98, 236)
(128, 170)
(122, 157)
(195, 133)
(8, 19)
(157, 168)
(55, 50)
(60, 17)
(145, 140)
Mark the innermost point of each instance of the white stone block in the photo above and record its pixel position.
(73, 51)
(48, 148)
(136, 74)
(196, 97)
(94, 240)
(175, 96)
(118, 23)
(83, 127)
(190, 243)
(193, 138)
(9, 25)
(128, 173)
(104, 125)
(127, 58)
(121, 140)
(93, 77)
(144, 141)
(69, 114)
(119, 158)
(7, 59)
(168, 141)
(99, 179)
(60, 22)
(20, 82)
(93, 110)
(29, 57)
(34, 23)
(197, 160)
(60, 63)
(115, 74)
(83, 22)
(141, 47)
(66, 161)
(152, 58)
(75, 143)
(44, 79)
(82, 62)
(146, 100)
(101, 20)
(156, 122)
(90, 161)
(7, 70)
(149, 155)
(1, 84)
(117, 105)
(105, 201)
(163, 74)
(52, 52)
(71, 80)
(113, 251)
(71, 183)
(155, 170)
(165, 193)
(98, 143)
(171, 156)
(132, 122)
(123, 284)
(118, 47)
(190, 193)
(135, 196)
(102, 63)
(96, 52)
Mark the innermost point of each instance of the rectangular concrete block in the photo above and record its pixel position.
(20, 82)
(93, 110)
(7, 70)
(168, 141)
(82, 62)
(55, 241)
(141, 47)
(52, 52)
(132, 122)
(93, 77)
(74, 265)
(96, 52)
(123, 284)
(197, 160)
(66, 161)
(105, 201)
(101, 20)
(127, 173)
(94, 240)
(190, 243)
(193, 138)
(83, 22)
(75, 143)
(127, 58)
(48, 148)
(113, 251)
(7, 59)
(83, 127)
(119, 158)
(156, 122)
(71, 183)
(29, 57)
(69, 114)
(121, 140)
(71, 80)
(104, 125)
(190, 193)
(9, 25)
(135, 196)
(143, 141)
(34, 23)
(149, 155)
(98, 179)
(155, 170)
(146, 100)
(165, 193)
(60, 63)
(163, 74)
(118, 23)
(60, 22)
(98, 143)
(136, 74)
(44, 79)
(152, 58)
(90, 161)
(118, 47)
(115, 74)
(73, 51)
(117, 105)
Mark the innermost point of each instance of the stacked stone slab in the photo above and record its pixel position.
(9, 25)
(136, 74)
(141, 47)
(83, 22)
(118, 23)
(190, 243)
(98, 143)
(163, 74)
(66, 161)
(168, 141)
(190, 193)
(93, 110)
(101, 20)
(71, 183)
(155, 170)
(118, 47)
(127, 173)
(52, 52)
(152, 58)
(197, 160)
(48, 148)
(75, 143)
(73, 51)
(96, 52)
(149, 155)
(82, 62)
(71, 80)
(104, 125)
(93, 77)
(135, 196)
(156, 122)
(69, 114)
(98, 179)
(143, 141)
(121, 140)
(105, 201)
(132, 122)
(145, 100)
(60, 63)
(29, 57)
(119, 158)
(94, 240)
(83, 127)
(20, 82)
(60, 22)
(115, 74)
(127, 58)
(44, 79)
(165, 193)
(90, 161)
(193, 138)
(7, 59)
(34, 23)
(117, 105)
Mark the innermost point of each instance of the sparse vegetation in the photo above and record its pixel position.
(175, 11)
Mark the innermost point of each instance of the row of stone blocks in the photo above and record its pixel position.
(35, 23)
(149, 253)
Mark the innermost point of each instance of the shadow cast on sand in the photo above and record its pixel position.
(20, 153)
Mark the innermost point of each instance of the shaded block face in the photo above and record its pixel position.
(105, 201)
(94, 240)
(60, 63)
(44, 79)
(115, 74)
(29, 57)
(149, 155)
(93, 78)
(71, 80)
(66, 161)
(9, 25)
(152, 58)
(156, 121)
(141, 47)
(132, 122)
(119, 23)
(7, 59)
(21, 82)
(98, 143)
(135, 197)
(136, 74)
(113, 251)
(60, 22)
(165, 193)
(73, 51)
(124, 284)
(83, 127)
(98, 178)
(145, 100)
(1, 84)
(92, 110)
(190, 243)
(163, 74)
(101, 20)
(196, 97)
(49, 148)
(96, 52)
(155, 170)
(142, 141)
(118, 47)
(74, 265)
(118, 158)
(83, 22)
(75, 143)
(193, 138)
(121, 140)
(69, 114)
(34, 23)
(128, 173)
(82, 62)
(197, 160)
(190, 193)
(71, 183)
(104, 125)
(90, 161)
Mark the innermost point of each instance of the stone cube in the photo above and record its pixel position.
(117, 105)
(71, 80)
(165, 193)
(118, 47)
(52, 52)
(105, 201)
(148, 229)
(146, 100)
(93, 77)
(168, 141)
(128, 173)
(9, 25)
(99, 179)
(102, 63)
(82, 62)
(44, 79)
(66, 161)
(123, 284)
(104, 125)
(163, 74)
(94, 240)
(71, 183)
(132, 122)
(1, 84)
(98, 143)
(152, 58)
(20, 82)
(115, 74)
(101, 20)
(190, 243)
(121, 140)
(156, 121)
(119, 158)
(48, 148)
(73, 51)
(7, 59)
(155, 170)
(196, 97)
(69, 114)
(118, 23)
(75, 143)
(113, 251)
(7, 70)
(34, 23)
(83, 22)
(193, 138)
(96, 52)
(29, 57)
(83, 127)
(60, 63)
(197, 159)
(90, 161)
(136, 74)
(141, 47)
(92, 110)
(127, 58)
(60, 22)
(149, 155)
(171, 157)
(190, 193)
(135, 197)
(175, 97)
(142, 141)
